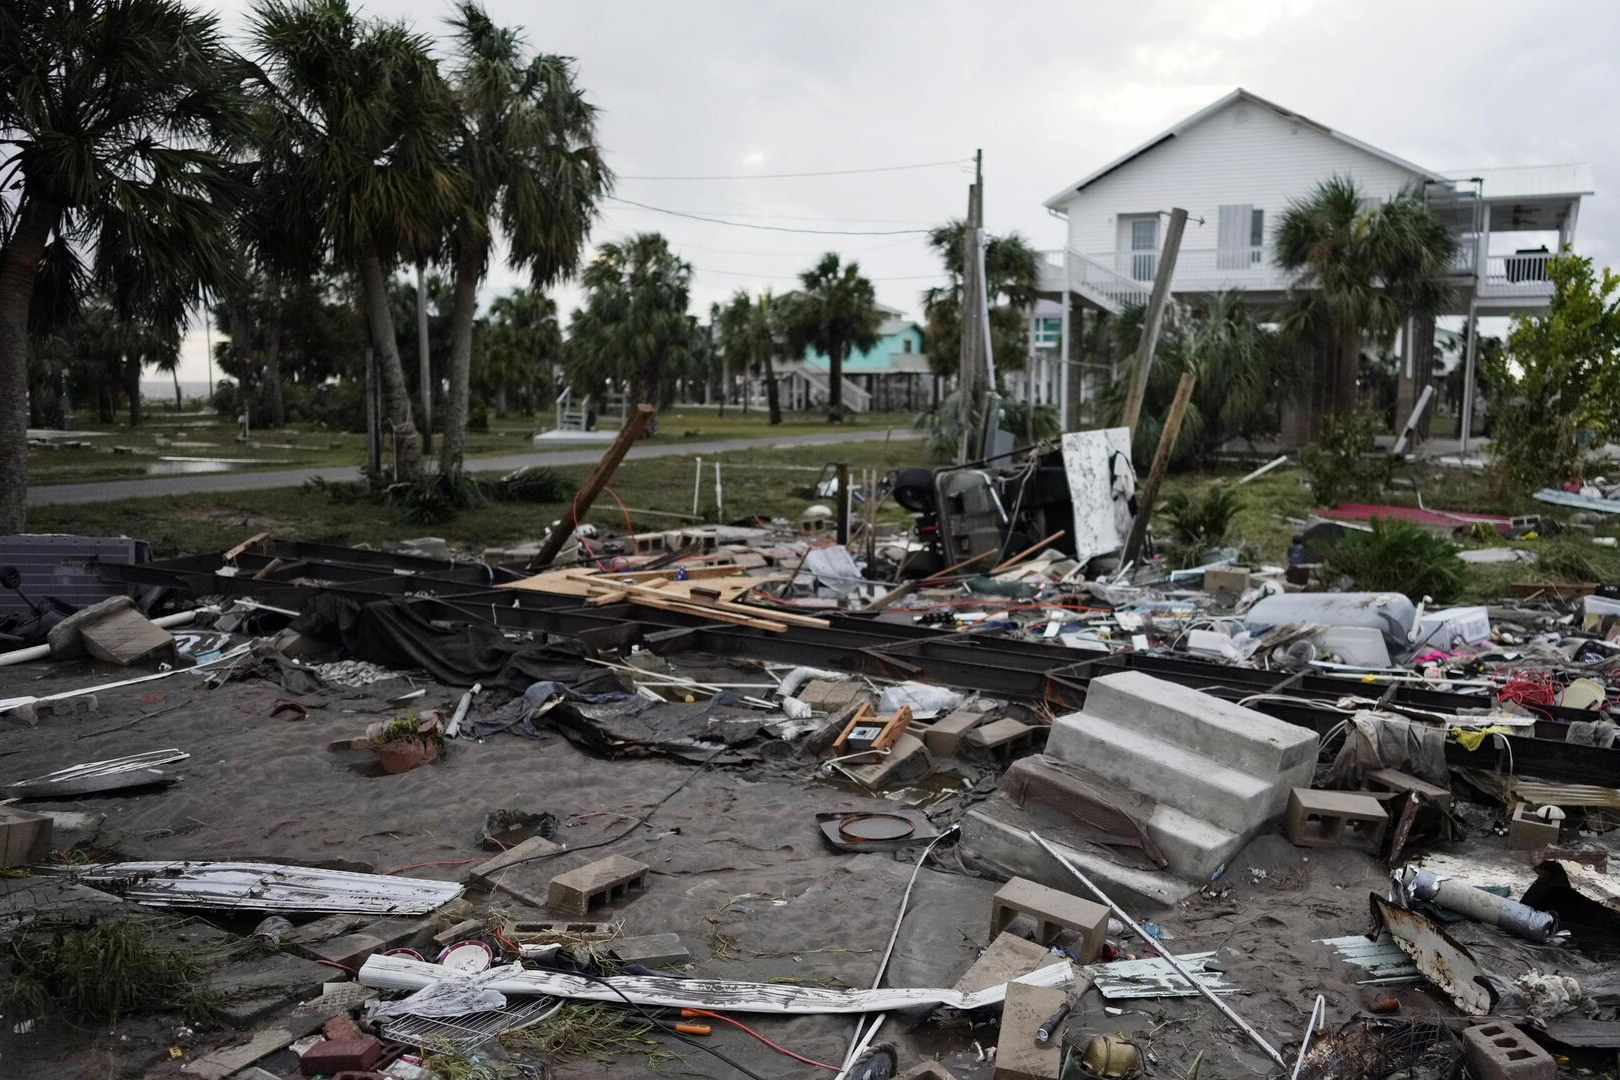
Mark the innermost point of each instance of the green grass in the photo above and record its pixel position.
(756, 481)
(120, 452)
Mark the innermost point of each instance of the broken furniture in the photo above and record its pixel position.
(1052, 911)
(605, 881)
(868, 731)
(1336, 819)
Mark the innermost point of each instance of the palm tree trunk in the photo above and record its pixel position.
(18, 263)
(464, 308)
(396, 398)
(132, 386)
(179, 402)
(835, 384)
(275, 406)
(773, 396)
(1345, 396)
(644, 388)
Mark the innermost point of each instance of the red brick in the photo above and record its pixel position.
(340, 1055)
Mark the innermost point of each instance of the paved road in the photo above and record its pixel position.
(159, 486)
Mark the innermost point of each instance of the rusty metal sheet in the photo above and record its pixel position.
(1437, 955)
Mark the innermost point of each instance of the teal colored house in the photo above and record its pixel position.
(893, 374)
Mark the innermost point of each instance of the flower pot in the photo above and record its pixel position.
(403, 755)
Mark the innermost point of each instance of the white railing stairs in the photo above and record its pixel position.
(572, 416)
(1104, 286)
(855, 399)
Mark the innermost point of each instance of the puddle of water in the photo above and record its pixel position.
(191, 466)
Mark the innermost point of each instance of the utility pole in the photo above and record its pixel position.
(1148, 494)
(1155, 318)
(422, 362)
(968, 389)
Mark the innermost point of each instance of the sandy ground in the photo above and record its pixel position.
(738, 870)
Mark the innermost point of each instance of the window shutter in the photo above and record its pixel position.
(1232, 237)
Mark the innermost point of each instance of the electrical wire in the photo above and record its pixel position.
(739, 1025)
(669, 1029)
(769, 228)
(957, 162)
(638, 823)
(794, 277)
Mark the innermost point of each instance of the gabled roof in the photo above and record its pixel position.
(1205, 113)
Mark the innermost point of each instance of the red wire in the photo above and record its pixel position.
(340, 967)
(744, 1027)
(629, 526)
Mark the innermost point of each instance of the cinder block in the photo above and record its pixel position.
(1018, 1055)
(24, 836)
(605, 881)
(1336, 819)
(1008, 957)
(1004, 738)
(945, 736)
(1526, 833)
(653, 950)
(1498, 1051)
(1052, 911)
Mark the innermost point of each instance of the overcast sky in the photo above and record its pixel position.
(1049, 91)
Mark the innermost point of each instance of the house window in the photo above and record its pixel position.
(908, 345)
(1048, 332)
(1257, 234)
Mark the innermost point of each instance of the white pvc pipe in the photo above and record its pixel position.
(40, 652)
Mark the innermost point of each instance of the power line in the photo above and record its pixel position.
(958, 162)
(770, 228)
(809, 217)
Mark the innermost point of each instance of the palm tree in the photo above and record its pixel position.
(750, 333)
(1243, 375)
(634, 325)
(526, 143)
(356, 141)
(117, 117)
(834, 312)
(1011, 274)
(519, 341)
(1361, 270)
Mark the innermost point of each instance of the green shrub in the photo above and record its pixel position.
(1397, 556)
(103, 973)
(433, 498)
(1337, 463)
(1204, 522)
(533, 484)
(227, 399)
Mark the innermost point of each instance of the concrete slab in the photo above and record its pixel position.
(1008, 957)
(483, 875)
(1018, 1055)
(995, 841)
(944, 737)
(908, 762)
(651, 950)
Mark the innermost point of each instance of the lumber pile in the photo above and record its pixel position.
(713, 592)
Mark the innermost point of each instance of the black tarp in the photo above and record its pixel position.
(396, 635)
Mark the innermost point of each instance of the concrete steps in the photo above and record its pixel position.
(1217, 774)
(1165, 772)
(1218, 730)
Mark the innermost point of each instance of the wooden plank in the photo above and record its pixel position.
(634, 425)
(736, 609)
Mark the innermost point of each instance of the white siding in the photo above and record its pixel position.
(1245, 153)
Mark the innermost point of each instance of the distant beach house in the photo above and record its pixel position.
(892, 375)
(1235, 166)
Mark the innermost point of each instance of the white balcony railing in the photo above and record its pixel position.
(1201, 269)
(1521, 274)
